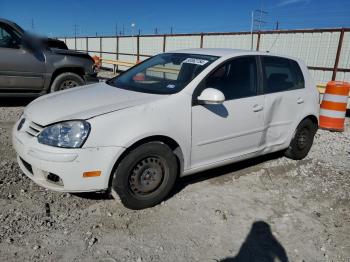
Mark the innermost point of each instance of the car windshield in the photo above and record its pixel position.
(166, 73)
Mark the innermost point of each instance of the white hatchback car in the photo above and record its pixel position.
(174, 114)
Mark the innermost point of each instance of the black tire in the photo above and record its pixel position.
(65, 81)
(145, 176)
(302, 140)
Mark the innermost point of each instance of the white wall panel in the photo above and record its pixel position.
(128, 45)
(126, 58)
(151, 45)
(94, 54)
(94, 44)
(321, 76)
(81, 43)
(142, 58)
(229, 41)
(343, 76)
(344, 59)
(316, 49)
(70, 42)
(61, 39)
(182, 42)
(109, 44)
(108, 56)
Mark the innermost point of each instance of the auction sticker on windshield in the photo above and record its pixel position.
(195, 61)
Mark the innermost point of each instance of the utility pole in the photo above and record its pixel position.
(171, 30)
(116, 29)
(257, 22)
(75, 30)
(277, 25)
(33, 25)
(123, 30)
(156, 31)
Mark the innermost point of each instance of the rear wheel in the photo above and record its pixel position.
(65, 81)
(145, 176)
(302, 140)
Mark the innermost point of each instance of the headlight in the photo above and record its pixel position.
(70, 134)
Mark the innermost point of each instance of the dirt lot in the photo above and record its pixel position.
(259, 210)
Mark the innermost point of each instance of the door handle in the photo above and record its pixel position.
(300, 100)
(257, 108)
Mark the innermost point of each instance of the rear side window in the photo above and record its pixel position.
(281, 74)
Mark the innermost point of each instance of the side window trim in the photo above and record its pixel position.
(259, 85)
(292, 65)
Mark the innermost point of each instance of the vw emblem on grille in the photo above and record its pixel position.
(21, 123)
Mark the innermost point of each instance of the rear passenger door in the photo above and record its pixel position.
(284, 98)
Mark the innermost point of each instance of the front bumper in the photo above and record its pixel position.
(41, 163)
(91, 78)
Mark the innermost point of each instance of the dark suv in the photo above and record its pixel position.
(30, 65)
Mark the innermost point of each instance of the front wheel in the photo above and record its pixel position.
(65, 81)
(302, 140)
(145, 176)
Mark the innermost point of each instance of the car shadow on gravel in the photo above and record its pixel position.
(235, 169)
(260, 245)
(15, 101)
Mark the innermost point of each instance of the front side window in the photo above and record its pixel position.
(236, 78)
(163, 74)
(6, 39)
(281, 74)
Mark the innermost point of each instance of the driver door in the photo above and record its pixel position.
(20, 69)
(234, 128)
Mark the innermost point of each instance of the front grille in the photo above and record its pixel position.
(27, 166)
(33, 129)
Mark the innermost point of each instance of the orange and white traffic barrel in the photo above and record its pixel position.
(333, 106)
(97, 61)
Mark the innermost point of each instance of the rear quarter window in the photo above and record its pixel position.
(281, 74)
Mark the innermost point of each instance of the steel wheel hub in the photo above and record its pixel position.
(68, 84)
(146, 176)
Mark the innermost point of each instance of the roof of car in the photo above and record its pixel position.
(228, 52)
(214, 51)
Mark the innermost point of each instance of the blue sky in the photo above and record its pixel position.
(57, 18)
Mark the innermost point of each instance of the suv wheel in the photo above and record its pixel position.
(145, 176)
(65, 81)
(302, 140)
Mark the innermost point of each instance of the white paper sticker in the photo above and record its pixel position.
(170, 86)
(195, 61)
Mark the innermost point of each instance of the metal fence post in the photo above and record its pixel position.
(100, 47)
(201, 43)
(117, 52)
(164, 43)
(138, 48)
(87, 44)
(336, 63)
(258, 41)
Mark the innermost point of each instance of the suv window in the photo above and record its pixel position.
(281, 74)
(236, 78)
(6, 39)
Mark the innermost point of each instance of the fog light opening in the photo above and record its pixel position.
(55, 179)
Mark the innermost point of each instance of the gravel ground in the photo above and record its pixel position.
(258, 210)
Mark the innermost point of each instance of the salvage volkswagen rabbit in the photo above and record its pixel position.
(173, 115)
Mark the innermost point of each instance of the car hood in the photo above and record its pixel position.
(71, 53)
(84, 102)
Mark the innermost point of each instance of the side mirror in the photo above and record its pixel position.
(211, 96)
